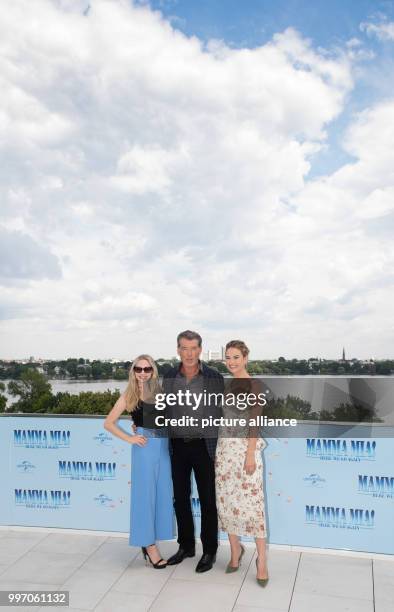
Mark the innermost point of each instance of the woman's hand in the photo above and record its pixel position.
(138, 439)
(250, 462)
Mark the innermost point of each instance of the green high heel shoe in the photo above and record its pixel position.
(230, 568)
(262, 581)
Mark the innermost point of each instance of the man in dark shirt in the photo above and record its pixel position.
(189, 451)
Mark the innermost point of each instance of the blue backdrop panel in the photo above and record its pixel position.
(331, 493)
(66, 472)
(5, 473)
(325, 492)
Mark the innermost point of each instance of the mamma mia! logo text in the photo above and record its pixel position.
(377, 486)
(87, 470)
(42, 438)
(43, 498)
(340, 518)
(328, 449)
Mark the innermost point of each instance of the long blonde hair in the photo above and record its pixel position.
(132, 393)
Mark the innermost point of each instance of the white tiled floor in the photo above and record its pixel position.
(105, 574)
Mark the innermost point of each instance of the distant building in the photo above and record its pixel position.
(214, 355)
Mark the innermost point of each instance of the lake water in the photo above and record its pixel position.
(77, 386)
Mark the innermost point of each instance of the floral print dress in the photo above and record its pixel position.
(239, 496)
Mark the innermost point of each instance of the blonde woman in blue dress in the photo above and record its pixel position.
(151, 507)
(239, 473)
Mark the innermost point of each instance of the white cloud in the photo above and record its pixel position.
(169, 180)
(383, 30)
(22, 258)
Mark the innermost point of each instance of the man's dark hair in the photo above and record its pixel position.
(189, 335)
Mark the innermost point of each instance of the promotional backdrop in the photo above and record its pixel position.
(322, 490)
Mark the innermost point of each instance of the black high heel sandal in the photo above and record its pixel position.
(147, 558)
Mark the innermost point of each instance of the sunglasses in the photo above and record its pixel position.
(146, 370)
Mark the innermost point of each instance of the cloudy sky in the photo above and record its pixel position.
(221, 166)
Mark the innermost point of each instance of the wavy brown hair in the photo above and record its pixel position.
(240, 345)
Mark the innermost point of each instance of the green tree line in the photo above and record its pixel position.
(34, 394)
(84, 369)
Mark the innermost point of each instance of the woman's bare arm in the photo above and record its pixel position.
(112, 418)
(256, 411)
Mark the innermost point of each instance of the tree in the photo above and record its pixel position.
(218, 365)
(71, 367)
(385, 367)
(120, 374)
(34, 391)
(3, 399)
(290, 407)
(87, 402)
(351, 412)
(163, 368)
(254, 367)
(303, 367)
(50, 369)
(66, 403)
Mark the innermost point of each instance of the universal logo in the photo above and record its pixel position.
(314, 480)
(103, 439)
(25, 467)
(103, 500)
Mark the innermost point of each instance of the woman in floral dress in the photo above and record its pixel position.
(239, 468)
